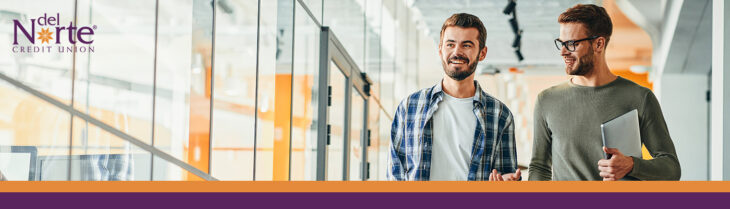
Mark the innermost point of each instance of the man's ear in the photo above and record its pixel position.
(600, 44)
(483, 53)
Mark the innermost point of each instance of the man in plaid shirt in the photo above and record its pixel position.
(454, 130)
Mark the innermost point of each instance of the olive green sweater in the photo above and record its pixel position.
(567, 134)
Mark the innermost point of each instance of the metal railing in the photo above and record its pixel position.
(154, 151)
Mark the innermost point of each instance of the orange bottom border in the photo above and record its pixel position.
(369, 186)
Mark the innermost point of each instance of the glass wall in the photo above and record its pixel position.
(270, 48)
(304, 96)
(174, 77)
(234, 91)
(229, 87)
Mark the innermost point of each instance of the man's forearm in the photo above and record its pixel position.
(540, 173)
(665, 167)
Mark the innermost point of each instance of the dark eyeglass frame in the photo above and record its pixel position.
(568, 44)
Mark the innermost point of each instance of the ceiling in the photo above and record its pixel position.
(537, 19)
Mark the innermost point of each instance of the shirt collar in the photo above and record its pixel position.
(437, 93)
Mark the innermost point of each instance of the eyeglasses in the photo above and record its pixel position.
(570, 45)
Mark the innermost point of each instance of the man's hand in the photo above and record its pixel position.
(494, 176)
(617, 167)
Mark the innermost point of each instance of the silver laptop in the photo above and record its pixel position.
(623, 133)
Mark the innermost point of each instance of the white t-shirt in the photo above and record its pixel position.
(454, 124)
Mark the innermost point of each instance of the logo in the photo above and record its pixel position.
(46, 34)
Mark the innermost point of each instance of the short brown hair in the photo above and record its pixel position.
(594, 19)
(465, 20)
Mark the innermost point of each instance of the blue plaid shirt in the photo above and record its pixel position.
(411, 137)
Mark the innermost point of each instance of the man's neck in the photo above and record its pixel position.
(599, 76)
(459, 89)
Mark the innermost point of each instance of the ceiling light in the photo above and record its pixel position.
(518, 38)
(513, 24)
(510, 7)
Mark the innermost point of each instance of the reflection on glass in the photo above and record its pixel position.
(304, 97)
(335, 154)
(235, 90)
(105, 157)
(356, 133)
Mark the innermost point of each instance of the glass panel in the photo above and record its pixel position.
(356, 134)
(235, 90)
(198, 146)
(279, 166)
(268, 53)
(335, 154)
(174, 78)
(184, 81)
(304, 97)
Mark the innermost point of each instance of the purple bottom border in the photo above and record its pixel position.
(361, 200)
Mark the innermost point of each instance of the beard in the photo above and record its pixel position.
(585, 65)
(457, 73)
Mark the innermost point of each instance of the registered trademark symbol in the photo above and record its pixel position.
(94, 26)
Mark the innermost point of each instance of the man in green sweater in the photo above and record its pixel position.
(567, 137)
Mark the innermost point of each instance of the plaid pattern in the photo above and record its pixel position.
(412, 137)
